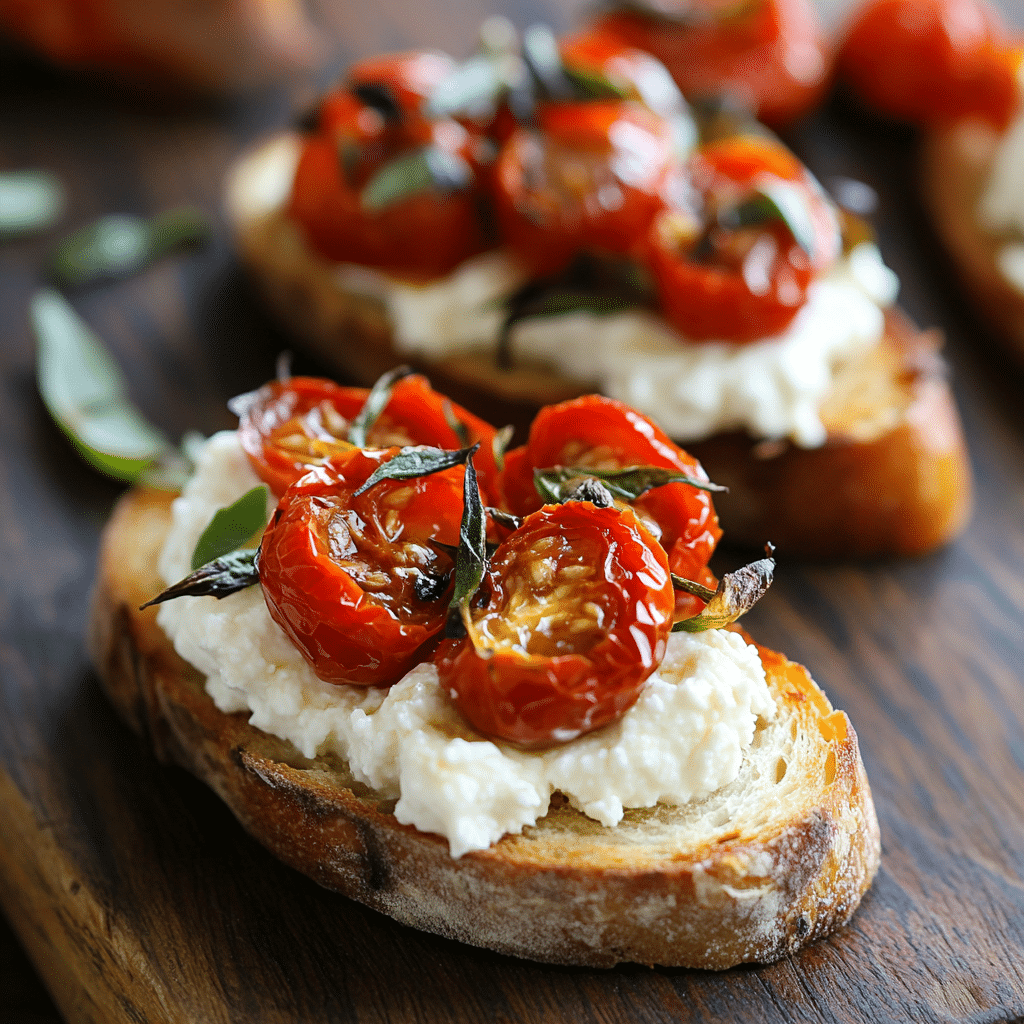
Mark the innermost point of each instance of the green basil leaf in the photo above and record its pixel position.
(459, 428)
(775, 200)
(376, 402)
(231, 527)
(29, 201)
(118, 245)
(499, 444)
(626, 484)
(86, 392)
(429, 169)
(544, 60)
(471, 561)
(410, 463)
(226, 575)
(588, 84)
(737, 593)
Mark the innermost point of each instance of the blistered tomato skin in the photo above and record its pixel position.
(772, 54)
(339, 572)
(931, 62)
(589, 179)
(289, 426)
(606, 434)
(736, 284)
(578, 617)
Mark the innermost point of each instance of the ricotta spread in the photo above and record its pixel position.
(683, 739)
(1001, 207)
(771, 388)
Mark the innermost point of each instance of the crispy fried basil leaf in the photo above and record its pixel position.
(471, 561)
(542, 57)
(410, 463)
(87, 394)
(499, 444)
(588, 84)
(506, 519)
(29, 201)
(460, 429)
(775, 200)
(231, 527)
(376, 402)
(472, 90)
(218, 578)
(380, 97)
(737, 593)
(556, 483)
(118, 245)
(428, 169)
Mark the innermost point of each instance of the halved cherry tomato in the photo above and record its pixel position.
(932, 62)
(602, 433)
(578, 616)
(589, 179)
(737, 284)
(339, 573)
(288, 426)
(772, 54)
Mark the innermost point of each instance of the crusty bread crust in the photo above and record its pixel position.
(955, 163)
(894, 468)
(686, 886)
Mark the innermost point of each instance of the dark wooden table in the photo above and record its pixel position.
(137, 896)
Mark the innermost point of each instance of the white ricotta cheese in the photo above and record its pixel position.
(683, 739)
(1001, 207)
(771, 388)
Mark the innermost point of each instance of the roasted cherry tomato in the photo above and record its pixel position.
(739, 283)
(932, 62)
(770, 53)
(601, 433)
(354, 581)
(422, 237)
(288, 426)
(589, 179)
(578, 616)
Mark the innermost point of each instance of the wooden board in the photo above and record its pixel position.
(136, 895)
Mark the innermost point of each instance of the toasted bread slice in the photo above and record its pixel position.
(777, 858)
(955, 164)
(892, 478)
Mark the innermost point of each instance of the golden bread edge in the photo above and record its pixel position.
(750, 898)
(898, 477)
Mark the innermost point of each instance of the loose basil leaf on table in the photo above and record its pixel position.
(231, 527)
(236, 571)
(87, 395)
(29, 201)
(118, 245)
(737, 593)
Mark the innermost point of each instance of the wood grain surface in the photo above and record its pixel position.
(137, 896)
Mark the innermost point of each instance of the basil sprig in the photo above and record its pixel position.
(556, 483)
(428, 169)
(775, 200)
(410, 463)
(471, 561)
(29, 201)
(87, 394)
(118, 245)
(219, 578)
(737, 593)
(376, 402)
(231, 527)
